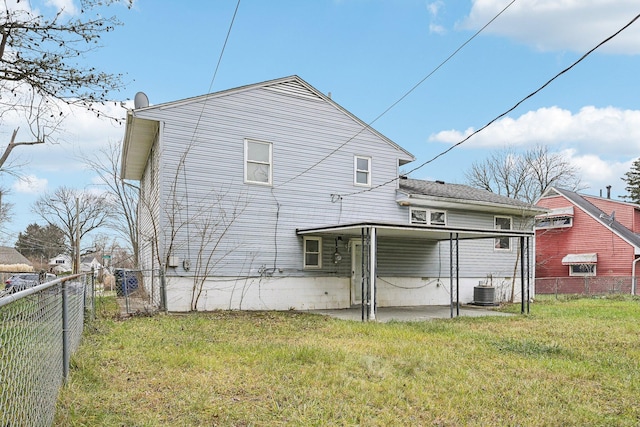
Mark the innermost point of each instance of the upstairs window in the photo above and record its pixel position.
(312, 252)
(362, 171)
(554, 222)
(555, 218)
(427, 217)
(502, 223)
(258, 162)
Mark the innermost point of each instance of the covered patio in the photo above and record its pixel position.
(369, 232)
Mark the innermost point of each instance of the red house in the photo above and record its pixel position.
(586, 244)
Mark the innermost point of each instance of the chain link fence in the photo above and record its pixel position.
(40, 327)
(139, 292)
(586, 285)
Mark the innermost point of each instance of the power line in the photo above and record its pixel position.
(498, 117)
(414, 87)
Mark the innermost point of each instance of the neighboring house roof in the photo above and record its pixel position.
(599, 215)
(144, 131)
(10, 256)
(441, 194)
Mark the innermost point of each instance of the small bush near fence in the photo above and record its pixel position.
(587, 285)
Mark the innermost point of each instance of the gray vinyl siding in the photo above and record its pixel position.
(262, 220)
(148, 210)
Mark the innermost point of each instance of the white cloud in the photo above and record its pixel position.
(597, 173)
(30, 184)
(434, 9)
(551, 25)
(437, 29)
(67, 6)
(597, 130)
(81, 131)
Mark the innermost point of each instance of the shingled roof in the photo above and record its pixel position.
(457, 192)
(597, 214)
(10, 256)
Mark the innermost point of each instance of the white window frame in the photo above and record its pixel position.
(444, 213)
(247, 161)
(356, 171)
(497, 245)
(553, 222)
(427, 215)
(592, 267)
(305, 253)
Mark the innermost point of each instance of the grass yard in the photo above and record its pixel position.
(570, 362)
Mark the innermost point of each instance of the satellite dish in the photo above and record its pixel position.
(140, 100)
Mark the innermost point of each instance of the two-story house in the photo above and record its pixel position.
(273, 196)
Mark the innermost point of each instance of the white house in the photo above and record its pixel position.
(89, 262)
(273, 196)
(62, 263)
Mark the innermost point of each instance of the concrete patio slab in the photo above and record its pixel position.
(410, 314)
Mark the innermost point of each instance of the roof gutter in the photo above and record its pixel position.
(446, 202)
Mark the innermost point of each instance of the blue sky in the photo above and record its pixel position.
(369, 54)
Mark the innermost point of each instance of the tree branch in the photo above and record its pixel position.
(13, 144)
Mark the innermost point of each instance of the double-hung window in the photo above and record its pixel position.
(362, 171)
(502, 223)
(312, 252)
(258, 162)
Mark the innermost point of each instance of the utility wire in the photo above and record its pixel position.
(413, 88)
(517, 104)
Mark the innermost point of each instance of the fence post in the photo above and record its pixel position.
(163, 289)
(65, 332)
(93, 294)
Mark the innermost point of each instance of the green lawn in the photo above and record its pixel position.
(572, 362)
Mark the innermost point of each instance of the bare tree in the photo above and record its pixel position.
(524, 176)
(106, 163)
(212, 226)
(76, 213)
(40, 65)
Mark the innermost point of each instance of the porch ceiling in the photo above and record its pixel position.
(411, 231)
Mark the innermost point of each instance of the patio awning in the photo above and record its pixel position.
(558, 212)
(572, 259)
(429, 232)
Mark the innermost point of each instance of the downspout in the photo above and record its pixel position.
(633, 276)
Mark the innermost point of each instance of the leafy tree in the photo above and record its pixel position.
(41, 242)
(523, 176)
(42, 64)
(632, 178)
(76, 213)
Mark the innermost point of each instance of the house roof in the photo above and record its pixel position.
(10, 256)
(599, 215)
(445, 195)
(140, 133)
